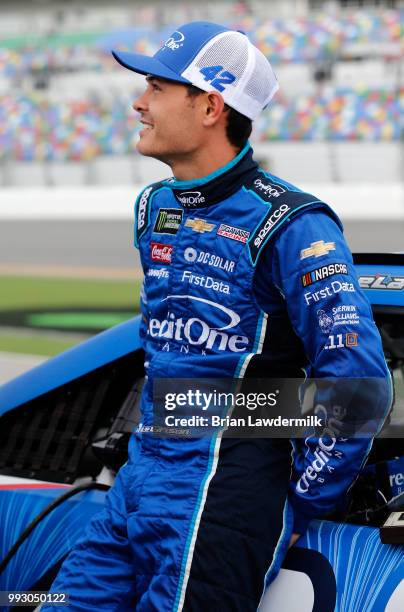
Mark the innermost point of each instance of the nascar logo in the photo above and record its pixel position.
(324, 272)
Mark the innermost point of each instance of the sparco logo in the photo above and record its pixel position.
(141, 215)
(197, 332)
(161, 252)
(278, 214)
(175, 41)
(270, 190)
(191, 198)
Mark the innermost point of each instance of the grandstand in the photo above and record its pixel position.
(65, 105)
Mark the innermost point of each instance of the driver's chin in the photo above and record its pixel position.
(145, 146)
(148, 148)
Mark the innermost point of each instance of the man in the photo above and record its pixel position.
(245, 275)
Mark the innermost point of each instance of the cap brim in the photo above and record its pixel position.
(143, 64)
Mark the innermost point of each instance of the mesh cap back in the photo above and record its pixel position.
(230, 64)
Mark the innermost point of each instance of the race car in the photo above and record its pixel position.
(64, 431)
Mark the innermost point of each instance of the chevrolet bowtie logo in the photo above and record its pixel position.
(316, 249)
(199, 225)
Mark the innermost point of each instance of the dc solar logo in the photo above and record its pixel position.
(190, 254)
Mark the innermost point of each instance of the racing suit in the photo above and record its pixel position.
(243, 273)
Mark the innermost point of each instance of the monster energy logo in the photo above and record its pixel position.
(168, 221)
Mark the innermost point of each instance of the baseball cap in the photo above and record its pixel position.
(211, 57)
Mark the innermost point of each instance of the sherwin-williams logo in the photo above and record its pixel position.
(272, 191)
(234, 233)
(324, 272)
(168, 221)
(175, 41)
(325, 322)
(161, 252)
(317, 249)
(344, 314)
(197, 332)
(191, 198)
(199, 225)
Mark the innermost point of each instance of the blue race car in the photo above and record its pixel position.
(64, 430)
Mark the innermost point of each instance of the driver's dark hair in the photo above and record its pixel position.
(238, 128)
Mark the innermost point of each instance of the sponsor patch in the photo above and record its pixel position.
(175, 41)
(340, 315)
(340, 341)
(199, 225)
(168, 221)
(192, 255)
(325, 322)
(317, 249)
(157, 272)
(161, 252)
(345, 315)
(142, 212)
(191, 199)
(234, 233)
(269, 222)
(269, 189)
(382, 281)
(205, 281)
(351, 339)
(197, 332)
(312, 297)
(324, 272)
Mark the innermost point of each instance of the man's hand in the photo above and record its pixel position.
(293, 539)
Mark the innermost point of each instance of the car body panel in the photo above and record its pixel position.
(335, 566)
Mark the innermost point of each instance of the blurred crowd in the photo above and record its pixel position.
(34, 128)
(319, 37)
(37, 125)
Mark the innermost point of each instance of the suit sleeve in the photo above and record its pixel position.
(314, 272)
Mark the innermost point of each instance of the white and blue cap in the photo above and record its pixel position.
(211, 57)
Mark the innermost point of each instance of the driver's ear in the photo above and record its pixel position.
(214, 108)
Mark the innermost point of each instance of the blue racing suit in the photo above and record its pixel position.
(244, 274)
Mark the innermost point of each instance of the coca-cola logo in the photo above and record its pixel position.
(161, 252)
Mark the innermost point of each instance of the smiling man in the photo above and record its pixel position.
(243, 275)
